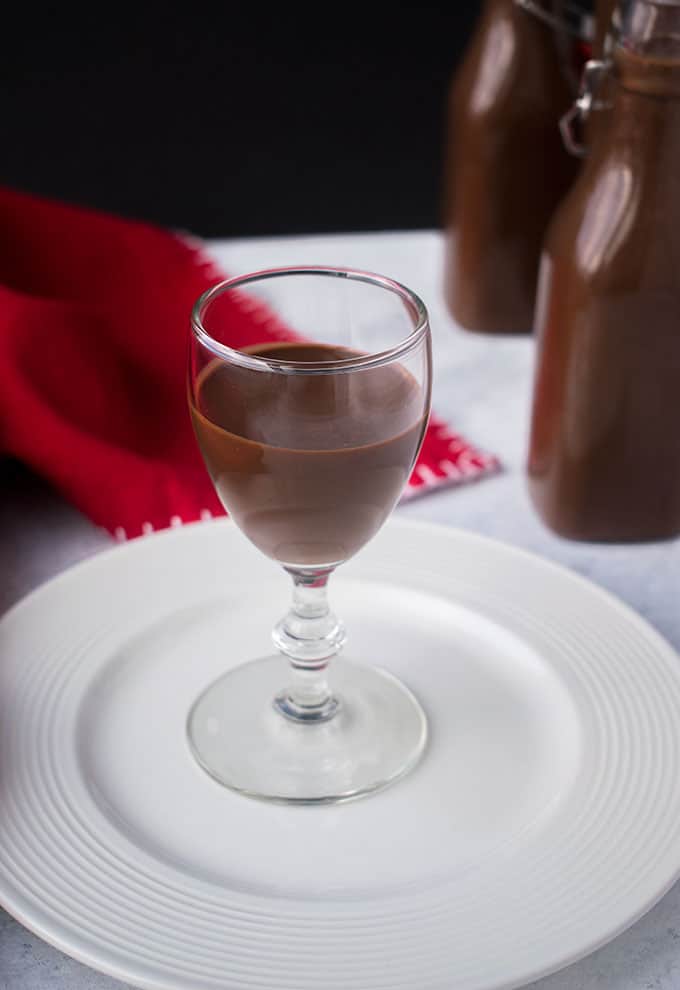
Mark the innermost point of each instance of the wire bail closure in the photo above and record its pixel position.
(576, 117)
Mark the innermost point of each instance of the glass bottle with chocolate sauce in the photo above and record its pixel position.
(604, 459)
(507, 168)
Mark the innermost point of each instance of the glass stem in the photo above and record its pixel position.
(310, 636)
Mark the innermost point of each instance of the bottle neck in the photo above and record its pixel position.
(645, 67)
(647, 74)
(644, 121)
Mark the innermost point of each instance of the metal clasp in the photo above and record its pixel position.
(574, 120)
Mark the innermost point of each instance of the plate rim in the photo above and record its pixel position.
(456, 532)
(57, 935)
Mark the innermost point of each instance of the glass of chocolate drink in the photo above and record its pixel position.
(309, 442)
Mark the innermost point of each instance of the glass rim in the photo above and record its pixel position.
(413, 302)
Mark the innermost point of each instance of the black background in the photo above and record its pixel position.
(234, 120)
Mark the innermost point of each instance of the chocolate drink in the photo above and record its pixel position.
(309, 466)
(506, 167)
(604, 460)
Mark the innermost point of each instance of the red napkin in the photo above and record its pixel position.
(94, 316)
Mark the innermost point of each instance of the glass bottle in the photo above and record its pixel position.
(506, 166)
(604, 458)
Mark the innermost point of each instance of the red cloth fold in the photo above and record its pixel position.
(94, 316)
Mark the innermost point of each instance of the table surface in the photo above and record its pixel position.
(482, 385)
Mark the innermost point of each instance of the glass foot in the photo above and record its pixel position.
(236, 733)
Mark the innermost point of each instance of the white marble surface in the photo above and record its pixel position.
(482, 386)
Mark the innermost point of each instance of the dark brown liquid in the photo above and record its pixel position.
(604, 457)
(506, 168)
(309, 466)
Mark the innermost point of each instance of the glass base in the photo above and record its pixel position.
(376, 736)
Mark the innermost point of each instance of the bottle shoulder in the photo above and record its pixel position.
(509, 71)
(617, 227)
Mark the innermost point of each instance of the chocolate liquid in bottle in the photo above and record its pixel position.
(604, 460)
(507, 168)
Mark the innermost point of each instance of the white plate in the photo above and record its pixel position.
(544, 818)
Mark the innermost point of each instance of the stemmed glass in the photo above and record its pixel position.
(309, 444)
